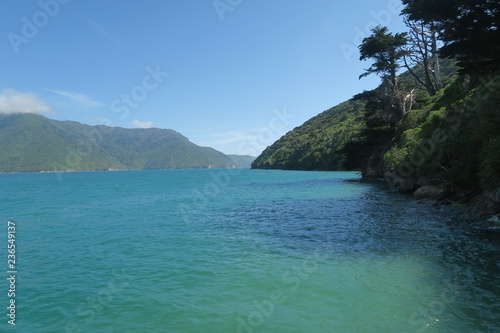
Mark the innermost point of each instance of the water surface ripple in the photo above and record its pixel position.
(242, 251)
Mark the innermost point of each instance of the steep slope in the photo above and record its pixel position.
(454, 140)
(315, 145)
(446, 148)
(326, 142)
(32, 143)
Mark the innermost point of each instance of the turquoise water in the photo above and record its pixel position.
(240, 251)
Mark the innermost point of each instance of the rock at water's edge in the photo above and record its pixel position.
(430, 192)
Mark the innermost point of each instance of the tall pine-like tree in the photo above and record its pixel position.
(387, 51)
(469, 29)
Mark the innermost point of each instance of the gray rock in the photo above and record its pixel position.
(402, 184)
(430, 192)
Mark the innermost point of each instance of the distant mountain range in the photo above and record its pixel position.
(242, 161)
(34, 143)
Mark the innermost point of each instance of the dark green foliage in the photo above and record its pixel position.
(360, 151)
(383, 132)
(386, 49)
(315, 145)
(351, 136)
(32, 143)
(387, 52)
(447, 136)
(490, 164)
(374, 108)
(469, 29)
(453, 138)
(458, 142)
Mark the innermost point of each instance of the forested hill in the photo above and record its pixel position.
(315, 145)
(449, 144)
(33, 143)
(325, 142)
(435, 129)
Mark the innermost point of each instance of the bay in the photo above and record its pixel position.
(241, 251)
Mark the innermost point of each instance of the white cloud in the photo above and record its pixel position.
(83, 100)
(142, 124)
(12, 101)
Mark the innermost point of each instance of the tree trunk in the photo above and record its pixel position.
(437, 69)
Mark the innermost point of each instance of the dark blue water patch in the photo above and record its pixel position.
(377, 222)
(296, 183)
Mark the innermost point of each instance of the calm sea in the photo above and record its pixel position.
(239, 251)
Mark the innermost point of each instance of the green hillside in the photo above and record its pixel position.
(324, 142)
(450, 141)
(435, 128)
(453, 140)
(315, 145)
(33, 143)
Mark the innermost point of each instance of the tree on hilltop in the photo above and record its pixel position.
(388, 52)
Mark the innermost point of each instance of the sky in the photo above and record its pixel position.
(234, 75)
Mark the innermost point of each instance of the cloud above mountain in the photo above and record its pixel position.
(142, 124)
(13, 101)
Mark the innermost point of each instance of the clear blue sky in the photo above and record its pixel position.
(218, 72)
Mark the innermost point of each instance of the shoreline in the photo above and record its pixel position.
(481, 208)
(112, 170)
(57, 171)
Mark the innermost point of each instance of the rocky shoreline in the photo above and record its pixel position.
(483, 207)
